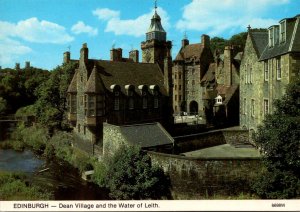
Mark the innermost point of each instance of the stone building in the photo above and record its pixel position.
(220, 87)
(271, 60)
(189, 67)
(122, 91)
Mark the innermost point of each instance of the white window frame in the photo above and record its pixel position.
(266, 70)
(271, 37)
(278, 68)
(282, 31)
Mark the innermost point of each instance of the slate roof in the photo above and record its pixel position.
(190, 51)
(73, 85)
(109, 73)
(227, 91)
(146, 135)
(94, 84)
(259, 40)
(210, 74)
(291, 44)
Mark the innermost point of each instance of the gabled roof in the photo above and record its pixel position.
(291, 44)
(73, 85)
(227, 91)
(190, 51)
(146, 135)
(127, 73)
(259, 40)
(94, 84)
(210, 74)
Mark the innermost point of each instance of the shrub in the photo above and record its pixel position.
(130, 175)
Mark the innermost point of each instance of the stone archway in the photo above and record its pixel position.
(193, 107)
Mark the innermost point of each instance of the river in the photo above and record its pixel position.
(61, 179)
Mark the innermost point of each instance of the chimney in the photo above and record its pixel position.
(84, 53)
(228, 65)
(17, 67)
(116, 54)
(27, 64)
(205, 41)
(134, 55)
(67, 57)
(184, 42)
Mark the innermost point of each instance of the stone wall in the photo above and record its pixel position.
(208, 139)
(204, 178)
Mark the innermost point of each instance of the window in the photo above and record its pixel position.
(276, 35)
(266, 71)
(266, 106)
(252, 107)
(251, 80)
(175, 98)
(100, 105)
(175, 75)
(78, 128)
(278, 68)
(179, 97)
(271, 38)
(117, 101)
(156, 102)
(245, 106)
(246, 74)
(282, 31)
(145, 102)
(84, 130)
(179, 76)
(180, 87)
(131, 103)
(175, 87)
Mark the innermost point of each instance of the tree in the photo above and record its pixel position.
(3, 105)
(51, 103)
(131, 175)
(279, 141)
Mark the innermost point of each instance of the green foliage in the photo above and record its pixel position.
(34, 137)
(18, 87)
(279, 141)
(3, 105)
(51, 104)
(14, 186)
(100, 173)
(130, 175)
(218, 43)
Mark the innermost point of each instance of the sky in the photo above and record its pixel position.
(40, 31)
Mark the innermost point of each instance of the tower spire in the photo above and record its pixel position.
(155, 5)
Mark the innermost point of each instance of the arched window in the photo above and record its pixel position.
(116, 89)
(155, 92)
(130, 93)
(144, 94)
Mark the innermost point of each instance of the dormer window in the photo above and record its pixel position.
(276, 34)
(282, 31)
(271, 37)
(218, 100)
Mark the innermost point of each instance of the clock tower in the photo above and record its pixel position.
(156, 48)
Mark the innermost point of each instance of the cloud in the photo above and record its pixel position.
(134, 27)
(106, 14)
(35, 31)
(80, 27)
(11, 50)
(215, 16)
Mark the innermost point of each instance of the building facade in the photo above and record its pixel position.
(121, 91)
(220, 87)
(189, 67)
(271, 61)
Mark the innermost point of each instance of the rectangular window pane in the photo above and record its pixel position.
(266, 71)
